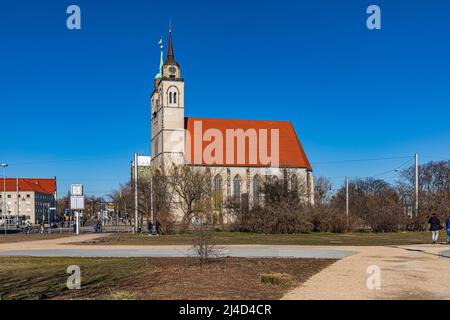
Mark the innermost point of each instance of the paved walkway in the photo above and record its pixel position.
(64, 247)
(406, 272)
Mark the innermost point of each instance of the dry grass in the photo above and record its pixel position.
(122, 295)
(19, 237)
(311, 238)
(277, 279)
(152, 278)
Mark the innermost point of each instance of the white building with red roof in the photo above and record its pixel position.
(27, 199)
(241, 154)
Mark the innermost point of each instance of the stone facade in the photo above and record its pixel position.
(172, 136)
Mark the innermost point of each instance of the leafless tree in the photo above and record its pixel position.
(322, 190)
(284, 208)
(122, 198)
(373, 204)
(203, 246)
(434, 191)
(163, 201)
(192, 186)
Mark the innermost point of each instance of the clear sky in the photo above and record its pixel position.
(75, 104)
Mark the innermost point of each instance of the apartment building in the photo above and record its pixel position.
(27, 199)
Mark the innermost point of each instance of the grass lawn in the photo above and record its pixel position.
(18, 237)
(319, 238)
(154, 278)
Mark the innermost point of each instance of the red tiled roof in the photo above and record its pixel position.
(29, 184)
(291, 153)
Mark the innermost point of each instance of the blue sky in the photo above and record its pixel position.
(75, 104)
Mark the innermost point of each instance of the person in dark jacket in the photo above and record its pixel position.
(150, 228)
(447, 224)
(435, 226)
(157, 227)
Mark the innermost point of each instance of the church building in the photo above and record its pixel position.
(241, 154)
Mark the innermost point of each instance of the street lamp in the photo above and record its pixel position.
(4, 165)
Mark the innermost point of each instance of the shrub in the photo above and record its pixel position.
(281, 218)
(122, 295)
(277, 279)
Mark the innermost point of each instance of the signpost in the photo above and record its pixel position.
(77, 203)
(49, 220)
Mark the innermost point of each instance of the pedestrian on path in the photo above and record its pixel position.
(150, 228)
(447, 224)
(435, 226)
(157, 227)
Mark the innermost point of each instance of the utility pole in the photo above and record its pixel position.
(4, 165)
(136, 222)
(49, 223)
(77, 217)
(346, 199)
(18, 203)
(416, 205)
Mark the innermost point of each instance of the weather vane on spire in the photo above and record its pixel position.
(161, 43)
(170, 25)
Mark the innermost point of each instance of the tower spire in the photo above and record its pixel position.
(170, 59)
(170, 55)
(161, 60)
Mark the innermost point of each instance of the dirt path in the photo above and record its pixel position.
(407, 272)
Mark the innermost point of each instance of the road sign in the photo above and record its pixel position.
(77, 202)
(76, 189)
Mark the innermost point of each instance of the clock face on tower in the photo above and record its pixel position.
(172, 70)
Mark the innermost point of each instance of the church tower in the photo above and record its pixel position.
(167, 108)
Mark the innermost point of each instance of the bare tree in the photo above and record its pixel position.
(434, 191)
(284, 208)
(373, 204)
(192, 186)
(163, 200)
(122, 198)
(322, 190)
(203, 246)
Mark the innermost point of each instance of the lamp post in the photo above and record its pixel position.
(4, 165)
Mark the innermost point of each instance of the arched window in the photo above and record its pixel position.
(237, 190)
(218, 194)
(256, 190)
(294, 183)
(173, 96)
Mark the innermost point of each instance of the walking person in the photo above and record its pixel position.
(435, 226)
(157, 227)
(28, 227)
(447, 224)
(150, 228)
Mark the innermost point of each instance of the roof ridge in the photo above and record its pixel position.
(231, 119)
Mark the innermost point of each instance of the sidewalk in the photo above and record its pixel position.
(407, 272)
